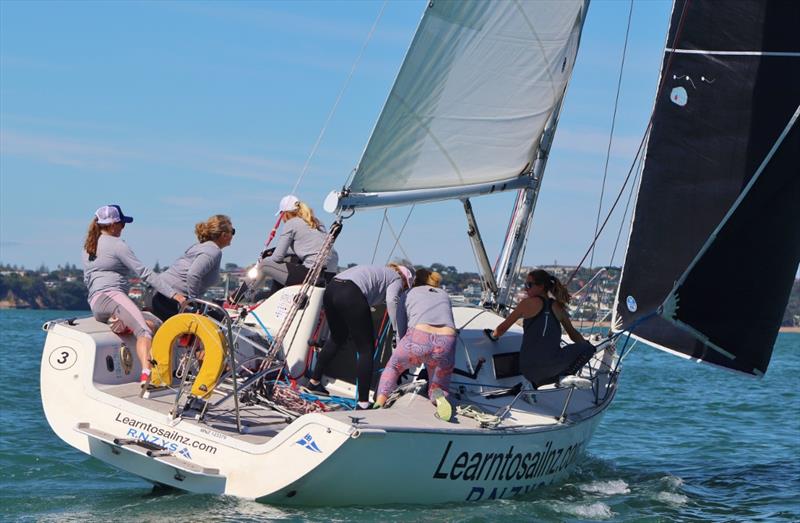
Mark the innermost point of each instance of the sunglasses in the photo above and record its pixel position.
(530, 284)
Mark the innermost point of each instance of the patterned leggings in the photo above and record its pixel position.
(436, 351)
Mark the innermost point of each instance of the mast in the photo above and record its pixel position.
(510, 261)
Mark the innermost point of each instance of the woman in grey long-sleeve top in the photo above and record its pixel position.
(107, 261)
(303, 236)
(347, 301)
(198, 269)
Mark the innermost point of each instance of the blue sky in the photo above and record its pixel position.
(180, 110)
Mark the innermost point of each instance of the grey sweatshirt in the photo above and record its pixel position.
(379, 284)
(194, 272)
(298, 238)
(110, 268)
(428, 305)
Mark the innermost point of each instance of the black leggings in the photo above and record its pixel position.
(349, 317)
(164, 308)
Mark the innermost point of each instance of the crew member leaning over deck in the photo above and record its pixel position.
(107, 261)
(347, 302)
(430, 340)
(198, 269)
(302, 235)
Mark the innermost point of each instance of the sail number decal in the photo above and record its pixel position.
(63, 358)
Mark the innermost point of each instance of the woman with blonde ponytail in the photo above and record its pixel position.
(302, 237)
(198, 269)
(542, 360)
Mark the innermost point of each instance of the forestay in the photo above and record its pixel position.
(474, 93)
(717, 210)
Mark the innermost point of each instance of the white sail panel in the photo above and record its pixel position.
(473, 95)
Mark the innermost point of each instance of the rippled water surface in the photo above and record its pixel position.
(682, 442)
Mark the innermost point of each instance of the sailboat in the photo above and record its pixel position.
(473, 112)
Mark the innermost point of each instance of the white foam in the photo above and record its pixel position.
(672, 481)
(672, 498)
(597, 510)
(606, 488)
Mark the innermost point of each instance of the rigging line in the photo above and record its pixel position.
(378, 241)
(397, 236)
(625, 213)
(339, 97)
(639, 151)
(613, 125)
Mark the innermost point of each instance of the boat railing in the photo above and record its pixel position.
(569, 383)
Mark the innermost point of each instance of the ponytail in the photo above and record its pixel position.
(427, 277)
(93, 234)
(552, 286)
(305, 213)
(560, 293)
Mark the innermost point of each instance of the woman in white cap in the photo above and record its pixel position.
(107, 262)
(198, 269)
(302, 235)
(347, 302)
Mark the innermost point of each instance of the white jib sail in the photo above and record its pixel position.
(472, 98)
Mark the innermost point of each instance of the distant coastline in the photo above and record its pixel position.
(63, 289)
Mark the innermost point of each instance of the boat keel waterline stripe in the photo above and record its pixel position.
(789, 54)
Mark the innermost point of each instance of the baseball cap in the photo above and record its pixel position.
(108, 214)
(288, 203)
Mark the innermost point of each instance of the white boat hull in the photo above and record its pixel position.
(397, 455)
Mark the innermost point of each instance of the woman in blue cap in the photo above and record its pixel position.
(107, 263)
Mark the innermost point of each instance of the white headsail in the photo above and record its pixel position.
(471, 101)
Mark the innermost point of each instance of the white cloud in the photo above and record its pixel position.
(62, 151)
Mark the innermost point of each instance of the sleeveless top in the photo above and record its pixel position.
(540, 355)
(542, 359)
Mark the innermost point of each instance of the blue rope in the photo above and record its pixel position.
(336, 400)
(269, 336)
(380, 340)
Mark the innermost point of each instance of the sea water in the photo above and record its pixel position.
(682, 441)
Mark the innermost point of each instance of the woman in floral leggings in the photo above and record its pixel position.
(430, 340)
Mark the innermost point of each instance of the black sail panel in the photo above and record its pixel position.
(762, 239)
(728, 92)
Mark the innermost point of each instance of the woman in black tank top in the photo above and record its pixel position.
(542, 360)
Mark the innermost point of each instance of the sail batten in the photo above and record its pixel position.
(715, 239)
(472, 98)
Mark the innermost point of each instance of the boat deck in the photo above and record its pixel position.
(410, 413)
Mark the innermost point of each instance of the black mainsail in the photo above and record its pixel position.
(715, 240)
